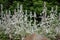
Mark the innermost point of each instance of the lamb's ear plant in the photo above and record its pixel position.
(21, 23)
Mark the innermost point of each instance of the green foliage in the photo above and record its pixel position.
(3, 36)
(33, 5)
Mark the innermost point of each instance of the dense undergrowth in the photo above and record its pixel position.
(19, 24)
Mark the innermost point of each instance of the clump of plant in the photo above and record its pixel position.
(21, 23)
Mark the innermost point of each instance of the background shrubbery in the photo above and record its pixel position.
(33, 5)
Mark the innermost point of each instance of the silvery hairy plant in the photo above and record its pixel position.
(21, 22)
(17, 23)
(50, 24)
